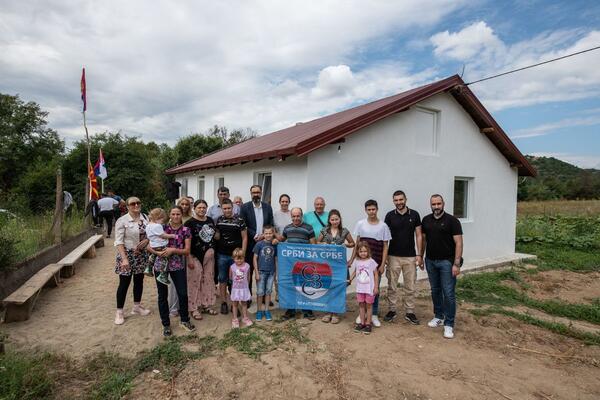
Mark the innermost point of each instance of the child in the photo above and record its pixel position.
(366, 286)
(240, 291)
(265, 266)
(158, 241)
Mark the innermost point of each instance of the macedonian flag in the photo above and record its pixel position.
(93, 183)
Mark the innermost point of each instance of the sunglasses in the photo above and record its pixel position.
(135, 203)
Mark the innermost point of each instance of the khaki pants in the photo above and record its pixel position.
(408, 267)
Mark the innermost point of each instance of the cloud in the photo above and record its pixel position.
(473, 40)
(582, 161)
(545, 129)
(334, 81)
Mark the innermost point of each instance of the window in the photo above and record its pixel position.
(462, 197)
(184, 187)
(219, 182)
(426, 136)
(264, 180)
(200, 187)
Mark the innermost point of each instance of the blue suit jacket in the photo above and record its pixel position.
(247, 213)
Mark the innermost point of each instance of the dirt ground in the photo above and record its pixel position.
(492, 357)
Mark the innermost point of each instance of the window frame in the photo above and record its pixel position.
(468, 198)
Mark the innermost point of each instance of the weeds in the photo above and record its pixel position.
(24, 376)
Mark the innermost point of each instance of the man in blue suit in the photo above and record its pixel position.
(257, 214)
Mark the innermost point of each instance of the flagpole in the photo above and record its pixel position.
(89, 162)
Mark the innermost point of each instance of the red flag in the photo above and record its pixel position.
(83, 95)
(93, 183)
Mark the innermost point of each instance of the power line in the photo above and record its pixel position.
(533, 65)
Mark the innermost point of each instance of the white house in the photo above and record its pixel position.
(436, 138)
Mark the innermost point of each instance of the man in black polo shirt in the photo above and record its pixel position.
(405, 225)
(442, 234)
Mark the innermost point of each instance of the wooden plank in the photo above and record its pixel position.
(20, 312)
(34, 284)
(76, 254)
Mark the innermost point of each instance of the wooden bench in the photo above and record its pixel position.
(20, 303)
(86, 249)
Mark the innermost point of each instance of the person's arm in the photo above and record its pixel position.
(458, 250)
(320, 238)
(352, 276)
(244, 240)
(353, 256)
(255, 264)
(168, 235)
(419, 239)
(349, 242)
(384, 257)
(376, 276)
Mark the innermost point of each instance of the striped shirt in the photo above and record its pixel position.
(298, 234)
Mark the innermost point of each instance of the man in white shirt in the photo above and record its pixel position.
(107, 211)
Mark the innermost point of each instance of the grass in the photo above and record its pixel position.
(559, 207)
(109, 376)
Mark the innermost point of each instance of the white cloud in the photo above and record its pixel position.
(582, 161)
(334, 81)
(474, 40)
(545, 129)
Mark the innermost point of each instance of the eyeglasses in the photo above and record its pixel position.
(135, 203)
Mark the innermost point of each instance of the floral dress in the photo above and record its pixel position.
(137, 262)
(176, 261)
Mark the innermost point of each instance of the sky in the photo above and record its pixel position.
(161, 70)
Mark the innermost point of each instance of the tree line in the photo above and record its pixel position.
(31, 153)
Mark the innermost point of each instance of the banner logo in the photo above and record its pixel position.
(312, 279)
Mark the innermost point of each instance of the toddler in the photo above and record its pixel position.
(240, 290)
(367, 277)
(158, 242)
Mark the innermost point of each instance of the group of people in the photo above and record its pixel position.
(107, 209)
(227, 247)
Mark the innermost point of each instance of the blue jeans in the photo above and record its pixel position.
(442, 289)
(179, 279)
(224, 263)
(376, 302)
(265, 283)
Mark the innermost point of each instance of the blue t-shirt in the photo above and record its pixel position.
(266, 253)
(311, 219)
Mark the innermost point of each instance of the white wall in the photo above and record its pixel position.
(381, 158)
(288, 177)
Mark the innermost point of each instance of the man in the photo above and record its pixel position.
(405, 225)
(121, 208)
(298, 232)
(377, 234)
(442, 234)
(256, 214)
(318, 218)
(232, 234)
(215, 210)
(107, 206)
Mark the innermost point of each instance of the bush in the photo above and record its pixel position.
(9, 253)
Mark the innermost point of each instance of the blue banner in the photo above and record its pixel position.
(312, 277)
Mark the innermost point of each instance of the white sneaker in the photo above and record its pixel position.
(434, 323)
(448, 332)
(119, 318)
(358, 321)
(139, 309)
(375, 321)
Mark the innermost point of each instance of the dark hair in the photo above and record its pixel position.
(200, 201)
(371, 202)
(176, 207)
(268, 227)
(227, 201)
(284, 195)
(258, 186)
(223, 189)
(436, 195)
(334, 212)
(399, 193)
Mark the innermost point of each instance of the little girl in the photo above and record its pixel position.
(365, 269)
(158, 241)
(240, 291)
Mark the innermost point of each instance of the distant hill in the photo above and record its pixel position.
(559, 180)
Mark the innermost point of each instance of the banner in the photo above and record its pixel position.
(312, 277)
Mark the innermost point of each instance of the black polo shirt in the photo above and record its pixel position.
(440, 236)
(402, 227)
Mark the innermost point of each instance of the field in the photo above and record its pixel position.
(527, 332)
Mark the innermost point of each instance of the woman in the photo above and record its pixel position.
(335, 233)
(177, 250)
(282, 217)
(201, 263)
(186, 207)
(132, 258)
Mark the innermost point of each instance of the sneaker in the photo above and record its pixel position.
(367, 330)
(166, 331)
(309, 315)
(357, 320)
(247, 322)
(140, 310)
(119, 318)
(268, 316)
(375, 321)
(358, 328)
(235, 323)
(448, 332)
(435, 322)
(188, 326)
(390, 316)
(288, 315)
(259, 316)
(224, 308)
(412, 318)
(163, 278)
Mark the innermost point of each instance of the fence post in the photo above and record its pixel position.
(58, 209)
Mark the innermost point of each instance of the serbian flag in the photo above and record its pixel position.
(83, 95)
(100, 167)
(93, 183)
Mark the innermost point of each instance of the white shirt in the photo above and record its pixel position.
(281, 219)
(379, 231)
(127, 231)
(153, 231)
(107, 203)
(258, 215)
(215, 211)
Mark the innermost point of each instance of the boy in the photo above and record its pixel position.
(265, 266)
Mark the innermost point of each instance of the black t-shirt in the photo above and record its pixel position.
(230, 230)
(202, 236)
(402, 228)
(439, 236)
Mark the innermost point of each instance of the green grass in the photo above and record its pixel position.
(562, 257)
(25, 376)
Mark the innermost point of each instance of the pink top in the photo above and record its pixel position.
(365, 275)
(239, 276)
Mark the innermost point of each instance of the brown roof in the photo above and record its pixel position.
(307, 137)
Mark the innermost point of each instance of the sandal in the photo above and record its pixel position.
(335, 319)
(209, 311)
(197, 315)
(326, 318)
